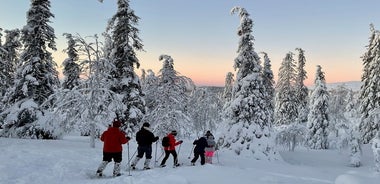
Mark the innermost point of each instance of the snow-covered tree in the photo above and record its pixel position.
(301, 90)
(36, 77)
(355, 148)
(168, 105)
(91, 106)
(369, 98)
(125, 42)
(286, 103)
(228, 85)
(376, 150)
(318, 119)
(291, 136)
(268, 83)
(249, 131)
(71, 69)
(204, 108)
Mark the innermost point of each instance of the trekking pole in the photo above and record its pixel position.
(129, 162)
(155, 155)
(191, 152)
(217, 156)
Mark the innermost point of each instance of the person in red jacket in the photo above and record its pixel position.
(113, 139)
(171, 149)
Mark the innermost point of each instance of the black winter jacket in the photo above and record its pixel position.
(145, 137)
(200, 145)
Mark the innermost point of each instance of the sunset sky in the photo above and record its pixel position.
(200, 35)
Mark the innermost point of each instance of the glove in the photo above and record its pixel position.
(156, 138)
(128, 138)
(181, 141)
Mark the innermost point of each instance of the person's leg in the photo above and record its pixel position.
(202, 154)
(140, 154)
(196, 156)
(175, 157)
(117, 157)
(167, 153)
(148, 157)
(106, 159)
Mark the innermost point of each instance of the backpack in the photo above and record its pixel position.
(165, 141)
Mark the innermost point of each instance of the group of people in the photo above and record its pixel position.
(114, 138)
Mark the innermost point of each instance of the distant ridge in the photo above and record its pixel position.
(353, 85)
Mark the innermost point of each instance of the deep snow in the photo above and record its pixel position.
(71, 160)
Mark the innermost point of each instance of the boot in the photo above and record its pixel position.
(116, 169)
(101, 167)
(146, 164)
(134, 163)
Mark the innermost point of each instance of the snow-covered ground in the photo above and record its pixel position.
(71, 160)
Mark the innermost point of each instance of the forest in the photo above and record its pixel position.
(256, 115)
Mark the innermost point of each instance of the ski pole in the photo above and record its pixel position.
(217, 156)
(191, 152)
(155, 155)
(129, 162)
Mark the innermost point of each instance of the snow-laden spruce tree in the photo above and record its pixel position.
(9, 54)
(369, 98)
(376, 151)
(286, 101)
(71, 69)
(302, 91)
(318, 119)
(268, 83)
(249, 131)
(228, 85)
(125, 42)
(204, 108)
(168, 103)
(36, 76)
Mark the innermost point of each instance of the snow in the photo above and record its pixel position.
(71, 160)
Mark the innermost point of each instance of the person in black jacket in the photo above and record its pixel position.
(144, 138)
(199, 150)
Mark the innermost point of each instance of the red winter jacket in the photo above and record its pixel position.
(113, 138)
(172, 143)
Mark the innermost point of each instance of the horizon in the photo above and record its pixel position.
(201, 36)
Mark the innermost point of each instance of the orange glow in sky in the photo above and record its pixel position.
(201, 35)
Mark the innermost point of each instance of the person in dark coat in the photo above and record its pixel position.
(171, 149)
(199, 150)
(144, 138)
(113, 139)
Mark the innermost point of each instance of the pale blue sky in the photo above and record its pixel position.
(200, 35)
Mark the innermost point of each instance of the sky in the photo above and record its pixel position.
(200, 35)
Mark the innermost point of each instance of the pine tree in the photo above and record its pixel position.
(376, 150)
(168, 109)
(8, 58)
(71, 69)
(318, 119)
(369, 100)
(204, 108)
(268, 83)
(301, 90)
(228, 85)
(36, 78)
(249, 131)
(126, 83)
(286, 102)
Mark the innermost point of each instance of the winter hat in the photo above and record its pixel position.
(116, 123)
(174, 132)
(146, 124)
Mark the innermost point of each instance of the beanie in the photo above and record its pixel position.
(116, 123)
(174, 132)
(146, 125)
